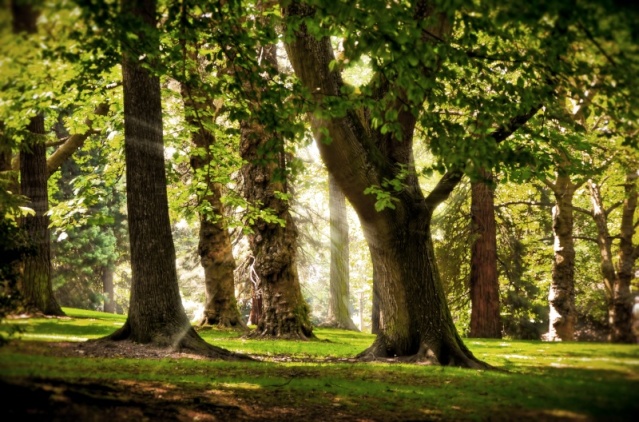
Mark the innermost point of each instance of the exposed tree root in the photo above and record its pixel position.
(424, 356)
(188, 343)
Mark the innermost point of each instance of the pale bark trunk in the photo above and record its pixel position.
(339, 306)
(485, 320)
(561, 297)
(621, 317)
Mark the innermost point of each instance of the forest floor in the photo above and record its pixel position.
(50, 372)
(110, 400)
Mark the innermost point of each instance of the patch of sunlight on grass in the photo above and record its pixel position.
(242, 385)
(51, 337)
(564, 414)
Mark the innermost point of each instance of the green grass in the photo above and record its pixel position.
(541, 381)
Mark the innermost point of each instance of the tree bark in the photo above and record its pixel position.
(35, 283)
(617, 278)
(485, 320)
(214, 248)
(339, 306)
(621, 316)
(156, 315)
(561, 297)
(284, 312)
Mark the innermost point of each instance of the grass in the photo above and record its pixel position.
(580, 381)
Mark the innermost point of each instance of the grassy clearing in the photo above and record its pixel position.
(581, 381)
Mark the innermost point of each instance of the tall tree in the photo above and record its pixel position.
(156, 315)
(339, 306)
(273, 243)
(365, 138)
(215, 249)
(617, 276)
(35, 283)
(485, 320)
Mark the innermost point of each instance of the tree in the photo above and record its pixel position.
(339, 307)
(485, 320)
(365, 137)
(273, 241)
(617, 277)
(35, 282)
(156, 315)
(215, 249)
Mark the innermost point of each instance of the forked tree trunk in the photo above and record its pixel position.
(214, 248)
(108, 289)
(339, 306)
(485, 320)
(35, 283)
(561, 297)
(156, 315)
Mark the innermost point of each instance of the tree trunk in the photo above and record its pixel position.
(339, 306)
(621, 316)
(284, 312)
(561, 297)
(35, 284)
(215, 249)
(485, 320)
(108, 289)
(376, 314)
(417, 322)
(156, 315)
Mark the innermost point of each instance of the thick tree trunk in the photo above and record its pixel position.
(108, 289)
(621, 315)
(284, 312)
(377, 321)
(485, 320)
(156, 315)
(339, 307)
(417, 321)
(35, 283)
(561, 297)
(217, 260)
(215, 249)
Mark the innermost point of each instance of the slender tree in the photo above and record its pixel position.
(339, 306)
(485, 320)
(35, 283)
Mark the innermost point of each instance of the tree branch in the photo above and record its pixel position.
(442, 191)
